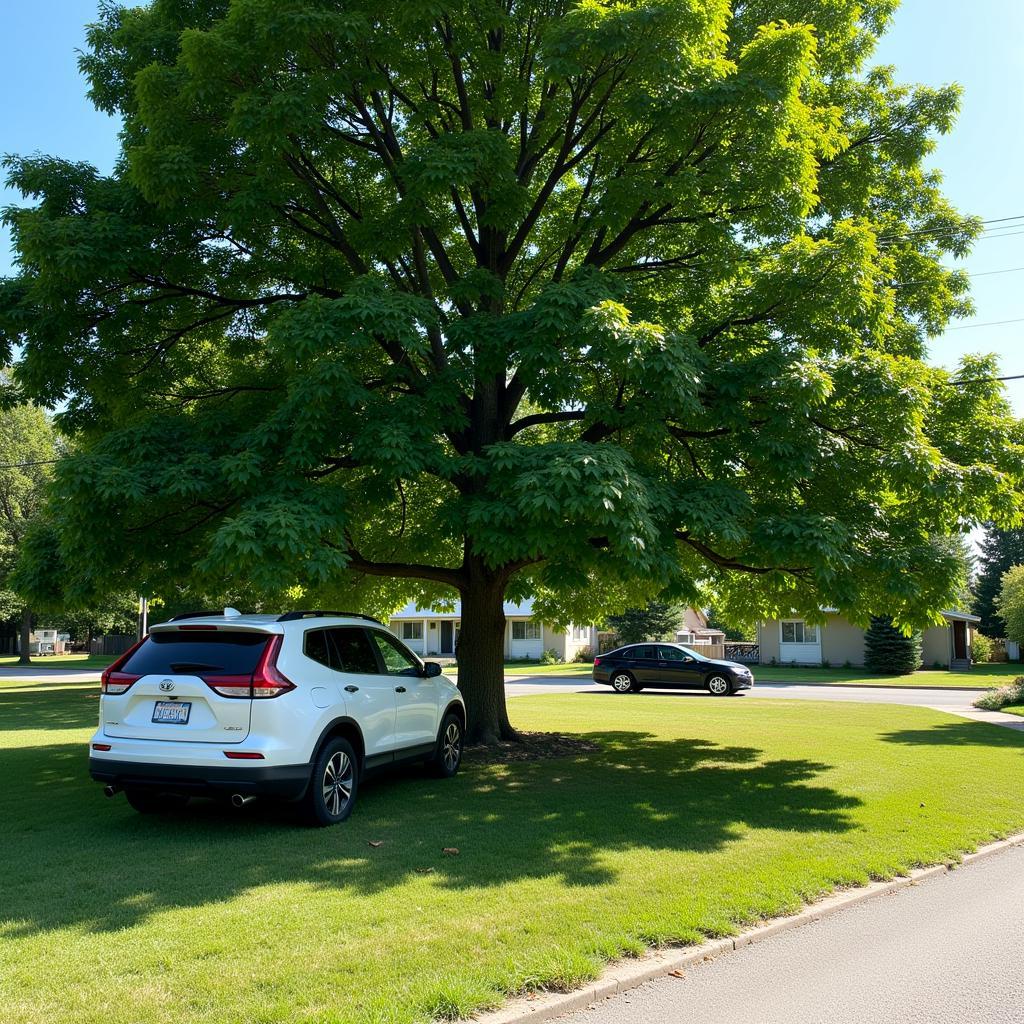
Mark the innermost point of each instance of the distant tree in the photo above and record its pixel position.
(117, 614)
(28, 448)
(998, 552)
(888, 650)
(658, 621)
(1010, 603)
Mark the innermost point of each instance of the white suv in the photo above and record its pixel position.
(297, 706)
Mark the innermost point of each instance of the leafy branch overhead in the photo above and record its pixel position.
(596, 300)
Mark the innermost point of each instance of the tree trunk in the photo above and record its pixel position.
(26, 632)
(481, 657)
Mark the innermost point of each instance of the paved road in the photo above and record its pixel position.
(948, 950)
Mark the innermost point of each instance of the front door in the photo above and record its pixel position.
(677, 668)
(447, 638)
(369, 696)
(416, 696)
(960, 641)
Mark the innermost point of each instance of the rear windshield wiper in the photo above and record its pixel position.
(194, 666)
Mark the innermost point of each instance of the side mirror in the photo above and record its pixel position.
(431, 669)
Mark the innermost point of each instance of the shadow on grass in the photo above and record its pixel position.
(959, 734)
(74, 857)
(49, 706)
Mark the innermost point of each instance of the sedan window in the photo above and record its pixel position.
(647, 653)
(671, 654)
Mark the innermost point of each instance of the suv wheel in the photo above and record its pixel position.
(719, 686)
(332, 786)
(448, 755)
(149, 801)
(623, 682)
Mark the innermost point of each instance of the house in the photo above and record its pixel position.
(432, 631)
(694, 630)
(839, 642)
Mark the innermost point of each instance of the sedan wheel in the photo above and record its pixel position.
(622, 682)
(719, 686)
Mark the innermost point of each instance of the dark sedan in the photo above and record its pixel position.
(629, 669)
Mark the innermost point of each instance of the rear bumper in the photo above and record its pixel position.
(287, 782)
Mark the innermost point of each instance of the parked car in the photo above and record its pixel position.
(300, 707)
(629, 669)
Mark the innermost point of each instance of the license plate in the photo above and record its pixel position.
(172, 712)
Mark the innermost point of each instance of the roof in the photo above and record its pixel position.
(264, 623)
(961, 616)
(414, 611)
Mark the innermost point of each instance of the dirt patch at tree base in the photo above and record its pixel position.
(531, 746)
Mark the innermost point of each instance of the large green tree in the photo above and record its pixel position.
(655, 621)
(595, 300)
(1010, 603)
(998, 551)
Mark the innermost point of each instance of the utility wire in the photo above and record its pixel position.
(949, 231)
(989, 323)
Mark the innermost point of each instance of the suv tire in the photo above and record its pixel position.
(333, 785)
(448, 755)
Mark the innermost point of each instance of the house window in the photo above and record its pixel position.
(798, 632)
(579, 633)
(412, 630)
(525, 630)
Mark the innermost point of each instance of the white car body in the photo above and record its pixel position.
(250, 745)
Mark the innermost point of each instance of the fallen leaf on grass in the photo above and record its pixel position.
(375, 843)
(424, 871)
(451, 851)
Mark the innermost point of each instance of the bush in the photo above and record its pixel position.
(994, 700)
(584, 654)
(550, 657)
(887, 651)
(981, 647)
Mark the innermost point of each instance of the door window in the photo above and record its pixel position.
(397, 660)
(647, 653)
(352, 651)
(671, 654)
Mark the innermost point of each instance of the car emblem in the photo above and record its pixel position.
(167, 686)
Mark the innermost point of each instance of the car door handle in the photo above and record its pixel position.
(351, 689)
(399, 689)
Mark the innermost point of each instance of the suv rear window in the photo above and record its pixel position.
(213, 653)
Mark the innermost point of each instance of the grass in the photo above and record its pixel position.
(1014, 709)
(66, 661)
(696, 816)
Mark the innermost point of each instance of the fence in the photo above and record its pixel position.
(112, 644)
(748, 654)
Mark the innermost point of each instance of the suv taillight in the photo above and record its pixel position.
(267, 679)
(113, 680)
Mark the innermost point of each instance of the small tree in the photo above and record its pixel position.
(888, 650)
(658, 621)
(998, 552)
(1010, 603)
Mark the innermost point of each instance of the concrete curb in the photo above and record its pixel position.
(873, 686)
(627, 974)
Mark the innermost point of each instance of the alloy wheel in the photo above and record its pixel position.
(337, 782)
(622, 683)
(451, 746)
(718, 685)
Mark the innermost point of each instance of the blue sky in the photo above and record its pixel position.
(931, 41)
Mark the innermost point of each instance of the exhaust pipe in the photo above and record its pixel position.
(111, 790)
(237, 800)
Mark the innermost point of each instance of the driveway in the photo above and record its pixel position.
(946, 950)
(954, 702)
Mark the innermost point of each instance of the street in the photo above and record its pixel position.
(947, 950)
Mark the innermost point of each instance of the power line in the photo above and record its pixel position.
(989, 323)
(37, 462)
(953, 270)
(982, 380)
(947, 230)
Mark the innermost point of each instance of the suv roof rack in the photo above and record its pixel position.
(196, 615)
(315, 613)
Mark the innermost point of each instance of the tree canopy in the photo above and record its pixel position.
(593, 300)
(1010, 603)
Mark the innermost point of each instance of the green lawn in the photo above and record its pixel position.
(695, 817)
(1014, 709)
(981, 676)
(97, 661)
